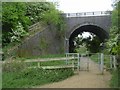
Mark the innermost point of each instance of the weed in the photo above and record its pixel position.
(16, 75)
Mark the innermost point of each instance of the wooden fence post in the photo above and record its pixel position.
(102, 63)
(78, 61)
(88, 63)
(111, 62)
(67, 58)
(99, 60)
(114, 62)
(38, 64)
(73, 65)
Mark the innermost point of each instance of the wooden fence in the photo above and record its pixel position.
(69, 62)
(72, 60)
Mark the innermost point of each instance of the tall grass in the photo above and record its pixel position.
(33, 77)
(17, 75)
(115, 81)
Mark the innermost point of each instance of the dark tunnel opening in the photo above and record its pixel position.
(102, 34)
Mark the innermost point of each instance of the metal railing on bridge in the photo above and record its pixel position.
(84, 14)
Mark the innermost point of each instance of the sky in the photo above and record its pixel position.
(76, 6)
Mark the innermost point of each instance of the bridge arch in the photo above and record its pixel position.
(86, 27)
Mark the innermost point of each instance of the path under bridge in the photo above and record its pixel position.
(87, 77)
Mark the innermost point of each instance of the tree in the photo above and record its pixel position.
(113, 43)
(17, 16)
(13, 13)
(36, 10)
(92, 43)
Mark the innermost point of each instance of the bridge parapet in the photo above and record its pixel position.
(84, 14)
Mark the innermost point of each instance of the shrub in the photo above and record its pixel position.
(13, 66)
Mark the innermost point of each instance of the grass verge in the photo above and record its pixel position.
(44, 56)
(33, 77)
(17, 75)
(115, 80)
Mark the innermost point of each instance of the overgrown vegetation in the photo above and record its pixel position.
(13, 16)
(17, 16)
(115, 81)
(113, 44)
(17, 75)
(91, 43)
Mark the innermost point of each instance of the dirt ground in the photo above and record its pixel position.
(84, 78)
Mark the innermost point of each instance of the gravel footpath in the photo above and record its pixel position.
(84, 78)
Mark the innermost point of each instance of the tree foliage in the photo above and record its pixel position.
(36, 10)
(92, 43)
(12, 15)
(113, 43)
(17, 16)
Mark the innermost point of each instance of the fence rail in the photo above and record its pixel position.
(69, 57)
(50, 59)
(54, 67)
(72, 60)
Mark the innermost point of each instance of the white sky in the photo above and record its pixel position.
(74, 6)
(85, 34)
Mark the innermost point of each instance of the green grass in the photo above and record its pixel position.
(33, 77)
(38, 57)
(115, 81)
(53, 63)
(17, 75)
(107, 61)
(81, 50)
(94, 57)
(48, 63)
